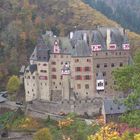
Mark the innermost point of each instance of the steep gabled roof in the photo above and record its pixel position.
(41, 51)
(79, 45)
(113, 107)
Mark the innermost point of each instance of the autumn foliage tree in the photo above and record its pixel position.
(13, 84)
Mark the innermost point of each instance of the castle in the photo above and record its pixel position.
(78, 66)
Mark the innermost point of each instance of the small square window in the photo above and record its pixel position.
(121, 64)
(98, 66)
(53, 69)
(87, 68)
(105, 65)
(87, 77)
(78, 77)
(88, 60)
(78, 69)
(104, 73)
(76, 60)
(53, 63)
(87, 86)
(78, 86)
(100, 84)
(112, 65)
(54, 77)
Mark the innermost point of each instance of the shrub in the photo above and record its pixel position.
(43, 134)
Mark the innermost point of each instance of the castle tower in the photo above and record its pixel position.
(66, 82)
(108, 38)
(56, 47)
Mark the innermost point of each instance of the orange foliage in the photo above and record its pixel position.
(65, 123)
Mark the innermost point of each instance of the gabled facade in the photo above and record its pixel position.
(76, 67)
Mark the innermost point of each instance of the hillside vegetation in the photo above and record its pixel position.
(22, 21)
(125, 12)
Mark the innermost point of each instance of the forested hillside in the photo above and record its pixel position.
(125, 12)
(22, 21)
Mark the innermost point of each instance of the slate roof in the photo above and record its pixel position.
(81, 49)
(113, 107)
(41, 51)
(2, 99)
(77, 46)
(31, 68)
(99, 76)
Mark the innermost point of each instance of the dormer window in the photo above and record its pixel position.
(56, 43)
(96, 48)
(100, 85)
(112, 47)
(56, 47)
(126, 46)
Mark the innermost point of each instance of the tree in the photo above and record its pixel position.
(123, 77)
(13, 84)
(128, 79)
(43, 134)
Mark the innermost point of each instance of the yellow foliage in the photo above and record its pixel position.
(137, 137)
(29, 123)
(65, 123)
(106, 133)
(109, 132)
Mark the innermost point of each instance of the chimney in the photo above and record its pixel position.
(122, 31)
(85, 37)
(71, 35)
(108, 38)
